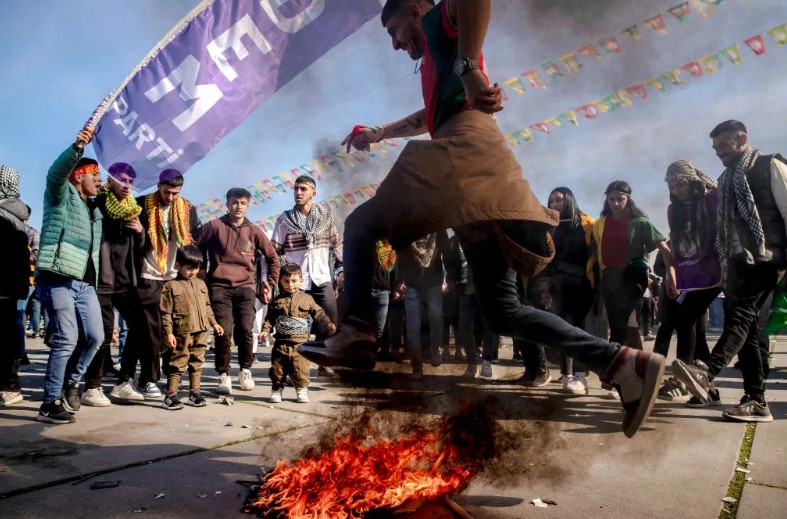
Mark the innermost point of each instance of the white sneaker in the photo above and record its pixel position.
(572, 385)
(224, 387)
(276, 396)
(471, 371)
(151, 391)
(95, 397)
(301, 395)
(486, 369)
(127, 392)
(10, 397)
(245, 381)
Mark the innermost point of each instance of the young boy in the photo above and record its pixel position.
(289, 313)
(186, 316)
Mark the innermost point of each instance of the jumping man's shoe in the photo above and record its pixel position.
(637, 375)
(353, 346)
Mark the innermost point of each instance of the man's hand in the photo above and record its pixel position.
(171, 341)
(218, 329)
(360, 138)
(331, 328)
(671, 287)
(135, 226)
(481, 96)
(84, 137)
(267, 292)
(261, 336)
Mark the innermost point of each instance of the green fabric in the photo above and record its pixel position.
(643, 238)
(68, 232)
(778, 320)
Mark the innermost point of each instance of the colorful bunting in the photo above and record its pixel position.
(610, 45)
(656, 23)
(589, 111)
(570, 62)
(779, 34)
(711, 63)
(681, 12)
(733, 53)
(673, 76)
(534, 78)
(519, 137)
(570, 116)
(590, 50)
(638, 90)
(702, 8)
(694, 68)
(656, 84)
(515, 84)
(542, 127)
(633, 31)
(556, 122)
(756, 44)
(551, 68)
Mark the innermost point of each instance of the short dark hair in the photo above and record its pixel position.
(122, 168)
(171, 178)
(85, 161)
(392, 7)
(189, 256)
(305, 179)
(238, 192)
(731, 126)
(289, 269)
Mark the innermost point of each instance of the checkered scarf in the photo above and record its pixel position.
(735, 193)
(9, 182)
(684, 170)
(311, 226)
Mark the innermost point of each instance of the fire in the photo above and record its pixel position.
(358, 475)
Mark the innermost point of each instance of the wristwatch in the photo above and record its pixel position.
(464, 65)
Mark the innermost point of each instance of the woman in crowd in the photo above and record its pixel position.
(623, 237)
(692, 222)
(571, 276)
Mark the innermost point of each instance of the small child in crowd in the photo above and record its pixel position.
(289, 313)
(186, 316)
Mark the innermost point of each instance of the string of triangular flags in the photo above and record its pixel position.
(706, 65)
(571, 63)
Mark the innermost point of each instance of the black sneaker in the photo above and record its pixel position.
(171, 403)
(713, 399)
(694, 376)
(54, 412)
(749, 410)
(72, 400)
(535, 379)
(24, 360)
(197, 400)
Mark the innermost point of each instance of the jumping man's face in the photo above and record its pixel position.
(557, 201)
(405, 31)
(304, 193)
(237, 207)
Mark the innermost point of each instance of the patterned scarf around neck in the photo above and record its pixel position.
(311, 226)
(386, 256)
(424, 249)
(734, 192)
(126, 209)
(693, 234)
(159, 233)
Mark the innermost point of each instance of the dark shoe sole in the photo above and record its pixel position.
(359, 357)
(685, 376)
(49, 419)
(653, 375)
(747, 419)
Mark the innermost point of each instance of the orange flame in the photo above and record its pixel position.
(357, 475)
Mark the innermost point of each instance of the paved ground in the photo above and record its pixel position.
(565, 449)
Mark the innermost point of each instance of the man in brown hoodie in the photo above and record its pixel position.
(230, 244)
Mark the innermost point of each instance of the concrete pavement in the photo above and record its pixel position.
(569, 450)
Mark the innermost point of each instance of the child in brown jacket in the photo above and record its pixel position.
(186, 316)
(289, 313)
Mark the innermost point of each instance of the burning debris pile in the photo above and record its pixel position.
(361, 475)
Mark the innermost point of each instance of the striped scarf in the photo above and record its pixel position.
(159, 233)
(126, 209)
(735, 193)
(685, 171)
(317, 223)
(386, 256)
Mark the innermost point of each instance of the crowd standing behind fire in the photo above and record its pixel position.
(104, 252)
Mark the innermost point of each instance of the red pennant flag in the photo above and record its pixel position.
(681, 12)
(657, 24)
(610, 45)
(552, 69)
(694, 68)
(638, 90)
(542, 127)
(590, 50)
(534, 78)
(589, 111)
(756, 44)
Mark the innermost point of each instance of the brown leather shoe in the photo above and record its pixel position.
(637, 376)
(351, 347)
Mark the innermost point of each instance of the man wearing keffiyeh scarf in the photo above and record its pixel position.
(752, 246)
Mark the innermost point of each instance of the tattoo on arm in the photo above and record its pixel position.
(411, 123)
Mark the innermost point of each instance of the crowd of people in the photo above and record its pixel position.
(545, 276)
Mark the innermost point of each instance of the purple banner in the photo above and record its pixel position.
(230, 58)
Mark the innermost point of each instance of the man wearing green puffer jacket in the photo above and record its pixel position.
(66, 274)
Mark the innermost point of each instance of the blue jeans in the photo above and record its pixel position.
(380, 298)
(75, 317)
(415, 300)
(469, 309)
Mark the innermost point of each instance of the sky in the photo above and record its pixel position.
(60, 59)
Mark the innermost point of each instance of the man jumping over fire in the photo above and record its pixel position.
(467, 179)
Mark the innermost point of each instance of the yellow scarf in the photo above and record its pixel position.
(126, 209)
(159, 235)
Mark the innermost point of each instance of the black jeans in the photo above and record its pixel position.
(622, 288)
(687, 318)
(144, 340)
(746, 289)
(325, 297)
(234, 310)
(494, 281)
(571, 301)
(127, 306)
(9, 351)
